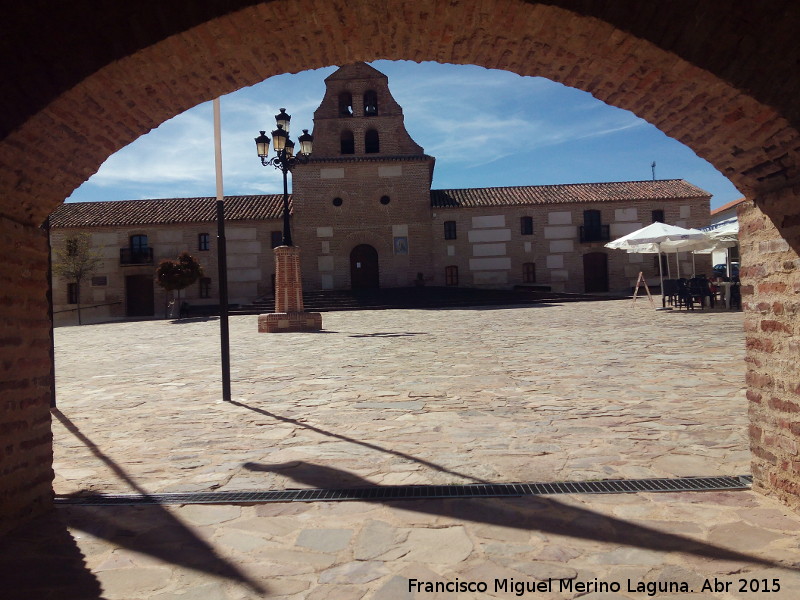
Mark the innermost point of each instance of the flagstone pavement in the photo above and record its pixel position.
(578, 391)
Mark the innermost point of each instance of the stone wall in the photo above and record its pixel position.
(489, 249)
(249, 255)
(770, 272)
(26, 452)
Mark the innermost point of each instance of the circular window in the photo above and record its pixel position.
(385, 200)
(337, 201)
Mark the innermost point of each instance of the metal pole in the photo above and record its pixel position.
(224, 335)
(222, 261)
(287, 232)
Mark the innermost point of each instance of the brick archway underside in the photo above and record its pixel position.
(83, 82)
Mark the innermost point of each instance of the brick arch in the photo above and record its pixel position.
(719, 78)
(746, 140)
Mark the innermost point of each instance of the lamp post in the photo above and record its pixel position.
(289, 312)
(284, 160)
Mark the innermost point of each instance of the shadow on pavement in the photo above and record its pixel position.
(41, 560)
(150, 529)
(540, 513)
(339, 436)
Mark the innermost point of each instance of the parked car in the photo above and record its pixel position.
(721, 270)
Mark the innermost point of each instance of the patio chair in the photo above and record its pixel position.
(670, 292)
(684, 294)
(736, 293)
(699, 289)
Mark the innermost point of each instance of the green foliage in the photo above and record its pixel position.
(178, 274)
(76, 261)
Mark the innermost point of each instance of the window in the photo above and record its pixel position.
(275, 238)
(371, 142)
(99, 281)
(72, 247)
(370, 103)
(203, 241)
(451, 275)
(529, 272)
(138, 243)
(449, 230)
(658, 216)
(137, 253)
(346, 143)
(337, 201)
(345, 104)
(205, 287)
(526, 225)
(385, 200)
(593, 229)
(72, 293)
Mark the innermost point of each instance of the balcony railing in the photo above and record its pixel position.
(136, 256)
(594, 234)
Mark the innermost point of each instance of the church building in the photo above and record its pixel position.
(364, 216)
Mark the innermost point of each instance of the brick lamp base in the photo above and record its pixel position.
(289, 314)
(293, 321)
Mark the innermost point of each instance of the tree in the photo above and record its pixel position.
(175, 275)
(75, 262)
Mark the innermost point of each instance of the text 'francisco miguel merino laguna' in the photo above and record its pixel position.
(520, 588)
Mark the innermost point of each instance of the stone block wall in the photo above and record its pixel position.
(26, 452)
(490, 250)
(770, 272)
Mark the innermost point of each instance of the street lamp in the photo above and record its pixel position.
(284, 160)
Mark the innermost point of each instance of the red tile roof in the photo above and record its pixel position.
(617, 191)
(166, 211)
(727, 206)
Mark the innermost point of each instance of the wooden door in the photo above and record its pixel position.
(364, 273)
(595, 272)
(139, 296)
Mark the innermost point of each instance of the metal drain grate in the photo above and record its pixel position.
(418, 492)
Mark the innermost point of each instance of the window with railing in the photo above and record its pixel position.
(593, 229)
(137, 253)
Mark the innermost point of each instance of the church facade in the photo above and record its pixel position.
(364, 216)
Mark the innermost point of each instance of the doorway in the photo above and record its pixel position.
(139, 296)
(595, 272)
(364, 273)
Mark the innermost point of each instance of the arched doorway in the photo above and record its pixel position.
(595, 272)
(364, 271)
(687, 81)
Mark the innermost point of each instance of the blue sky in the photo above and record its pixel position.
(486, 128)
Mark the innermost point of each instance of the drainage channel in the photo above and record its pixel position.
(419, 492)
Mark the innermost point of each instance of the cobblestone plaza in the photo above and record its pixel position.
(580, 391)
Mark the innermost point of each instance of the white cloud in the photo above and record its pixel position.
(467, 117)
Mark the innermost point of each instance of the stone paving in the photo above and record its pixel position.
(538, 393)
